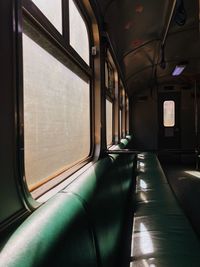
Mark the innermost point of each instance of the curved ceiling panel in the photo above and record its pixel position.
(139, 59)
(137, 21)
(136, 30)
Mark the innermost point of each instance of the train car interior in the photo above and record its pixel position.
(100, 133)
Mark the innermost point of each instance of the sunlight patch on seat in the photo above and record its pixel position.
(146, 243)
(193, 173)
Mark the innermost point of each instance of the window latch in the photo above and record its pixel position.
(94, 50)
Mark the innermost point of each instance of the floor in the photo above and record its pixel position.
(185, 182)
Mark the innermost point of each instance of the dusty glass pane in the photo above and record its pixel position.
(127, 115)
(169, 113)
(78, 32)
(52, 9)
(120, 123)
(106, 75)
(109, 116)
(56, 114)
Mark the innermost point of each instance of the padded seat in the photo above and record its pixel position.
(167, 261)
(163, 194)
(157, 222)
(162, 235)
(81, 226)
(153, 244)
(56, 234)
(104, 190)
(161, 208)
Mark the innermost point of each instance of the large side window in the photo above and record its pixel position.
(127, 114)
(109, 122)
(121, 109)
(110, 89)
(56, 105)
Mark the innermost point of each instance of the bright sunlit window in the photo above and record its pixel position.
(169, 113)
(52, 9)
(56, 115)
(79, 38)
(109, 117)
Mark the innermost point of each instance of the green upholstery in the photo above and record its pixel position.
(57, 234)
(123, 143)
(163, 236)
(104, 189)
(81, 226)
(169, 261)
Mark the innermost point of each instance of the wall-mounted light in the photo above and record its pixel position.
(179, 69)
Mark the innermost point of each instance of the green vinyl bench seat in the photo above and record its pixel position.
(106, 197)
(162, 234)
(84, 224)
(80, 226)
(57, 234)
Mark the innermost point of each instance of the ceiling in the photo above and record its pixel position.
(137, 30)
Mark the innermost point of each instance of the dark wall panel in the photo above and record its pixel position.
(10, 202)
(144, 122)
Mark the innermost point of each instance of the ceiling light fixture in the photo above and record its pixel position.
(179, 69)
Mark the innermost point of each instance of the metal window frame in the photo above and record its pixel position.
(27, 9)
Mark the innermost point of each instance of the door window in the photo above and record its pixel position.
(169, 113)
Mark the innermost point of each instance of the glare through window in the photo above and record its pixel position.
(169, 113)
(56, 115)
(79, 39)
(52, 9)
(109, 118)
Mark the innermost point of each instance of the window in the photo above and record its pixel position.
(109, 119)
(127, 115)
(122, 110)
(56, 97)
(78, 32)
(52, 9)
(109, 78)
(120, 123)
(169, 113)
(110, 97)
(123, 114)
(56, 114)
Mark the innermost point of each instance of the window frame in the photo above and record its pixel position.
(122, 112)
(126, 114)
(29, 11)
(41, 21)
(110, 90)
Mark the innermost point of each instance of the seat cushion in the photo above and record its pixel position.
(56, 234)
